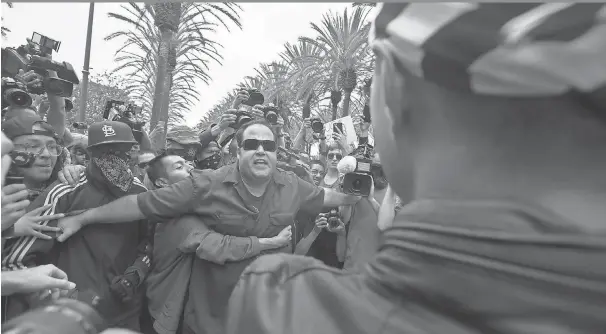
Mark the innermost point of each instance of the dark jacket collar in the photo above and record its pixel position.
(232, 175)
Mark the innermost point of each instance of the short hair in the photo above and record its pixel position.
(155, 170)
(333, 146)
(240, 132)
(317, 162)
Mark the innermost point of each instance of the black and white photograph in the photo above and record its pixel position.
(303, 168)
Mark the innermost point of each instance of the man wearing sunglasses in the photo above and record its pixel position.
(184, 246)
(248, 198)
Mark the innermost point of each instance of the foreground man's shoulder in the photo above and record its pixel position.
(283, 266)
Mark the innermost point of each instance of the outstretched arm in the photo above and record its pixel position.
(155, 205)
(218, 248)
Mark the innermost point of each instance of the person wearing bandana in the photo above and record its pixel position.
(209, 157)
(109, 262)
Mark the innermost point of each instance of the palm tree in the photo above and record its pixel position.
(305, 74)
(166, 18)
(343, 39)
(6, 30)
(168, 50)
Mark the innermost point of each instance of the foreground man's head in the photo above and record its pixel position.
(503, 107)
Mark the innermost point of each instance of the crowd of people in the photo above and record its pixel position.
(484, 212)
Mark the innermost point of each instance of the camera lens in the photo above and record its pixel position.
(356, 184)
(317, 126)
(271, 117)
(17, 97)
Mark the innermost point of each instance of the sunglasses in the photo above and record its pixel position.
(253, 145)
(335, 156)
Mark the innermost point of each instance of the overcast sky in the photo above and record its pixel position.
(266, 27)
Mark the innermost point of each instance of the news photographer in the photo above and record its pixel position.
(249, 198)
(317, 127)
(362, 219)
(505, 233)
(187, 254)
(109, 262)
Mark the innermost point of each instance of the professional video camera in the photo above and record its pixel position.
(14, 94)
(65, 316)
(358, 176)
(59, 77)
(288, 161)
(121, 111)
(243, 114)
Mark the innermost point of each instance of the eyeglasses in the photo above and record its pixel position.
(253, 145)
(37, 149)
(335, 156)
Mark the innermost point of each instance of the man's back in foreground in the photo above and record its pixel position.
(509, 149)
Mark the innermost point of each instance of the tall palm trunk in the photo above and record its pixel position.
(171, 64)
(160, 76)
(307, 106)
(167, 17)
(335, 98)
(346, 102)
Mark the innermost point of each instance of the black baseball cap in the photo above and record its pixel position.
(27, 124)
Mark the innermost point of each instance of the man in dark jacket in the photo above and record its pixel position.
(501, 108)
(185, 245)
(107, 263)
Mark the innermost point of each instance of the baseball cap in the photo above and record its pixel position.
(502, 49)
(109, 132)
(27, 124)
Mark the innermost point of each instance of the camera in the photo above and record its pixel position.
(65, 316)
(116, 110)
(254, 97)
(316, 125)
(59, 77)
(332, 216)
(358, 182)
(14, 94)
(271, 114)
(243, 115)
